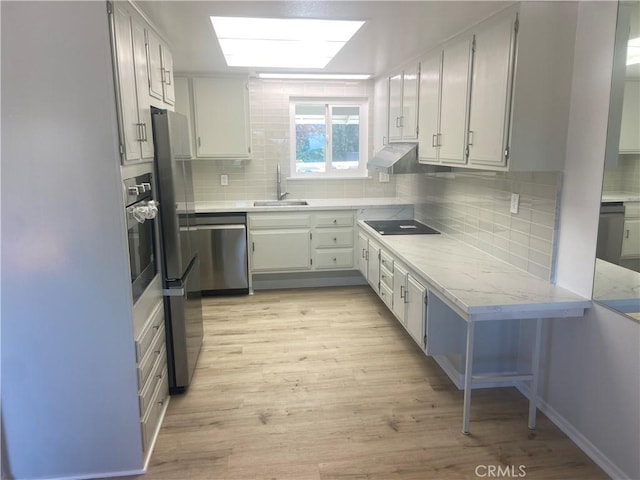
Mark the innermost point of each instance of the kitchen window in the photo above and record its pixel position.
(330, 137)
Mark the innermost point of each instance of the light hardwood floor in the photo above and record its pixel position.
(325, 384)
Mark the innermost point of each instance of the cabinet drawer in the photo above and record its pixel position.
(143, 342)
(150, 420)
(334, 258)
(159, 371)
(386, 277)
(334, 237)
(279, 221)
(631, 209)
(332, 219)
(146, 365)
(386, 261)
(386, 295)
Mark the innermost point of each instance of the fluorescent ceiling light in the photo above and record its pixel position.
(315, 76)
(280, 42)
(633, 51)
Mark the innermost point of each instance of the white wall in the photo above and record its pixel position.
(69, 391)
(592, 365)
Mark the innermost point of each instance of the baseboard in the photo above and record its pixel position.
(576, 436)
(272, 281)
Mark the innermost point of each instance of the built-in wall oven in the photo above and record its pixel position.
(141, 211)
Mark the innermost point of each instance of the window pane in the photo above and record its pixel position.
(345, 136)
(310, 138)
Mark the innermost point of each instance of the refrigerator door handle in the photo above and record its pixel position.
(173, 292)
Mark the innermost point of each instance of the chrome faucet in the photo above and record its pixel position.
(279, 194)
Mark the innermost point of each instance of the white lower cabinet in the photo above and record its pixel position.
(296, 241)
(280, 250)
(153, 384)
(415, 298)
(631, 237)
(401, 291)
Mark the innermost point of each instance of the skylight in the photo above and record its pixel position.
(280, 42)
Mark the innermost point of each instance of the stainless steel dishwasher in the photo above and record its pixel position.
(222, 244)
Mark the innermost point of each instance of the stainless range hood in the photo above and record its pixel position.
(397, 158)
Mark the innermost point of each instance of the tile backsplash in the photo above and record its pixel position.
(475, 208)
(256, 179)
(625, 178)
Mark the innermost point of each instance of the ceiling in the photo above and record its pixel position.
(394, 32)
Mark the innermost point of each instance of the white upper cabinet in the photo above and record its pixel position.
(160, 70)
(168, 92)
(630, 126)
(429, 120)
(133, 100)
(501, 100)
(454, 101)
(493, 56)
(380, 115)
(403, 105)
(221, 114)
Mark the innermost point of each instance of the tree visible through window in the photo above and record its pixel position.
(330, 138)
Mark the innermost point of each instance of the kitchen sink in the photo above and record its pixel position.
(279, 203)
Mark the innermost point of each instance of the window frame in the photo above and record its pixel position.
(363, 105)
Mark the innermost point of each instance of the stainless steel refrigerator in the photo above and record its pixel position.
(178, 246)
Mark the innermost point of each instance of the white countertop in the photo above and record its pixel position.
(620, 197)
(477, 285)
(313, 204)
(617, 287)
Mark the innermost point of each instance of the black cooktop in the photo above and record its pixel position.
(400, 227)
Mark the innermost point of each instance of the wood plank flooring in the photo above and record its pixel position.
(325, 384)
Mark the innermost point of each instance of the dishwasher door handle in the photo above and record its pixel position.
(221, 227)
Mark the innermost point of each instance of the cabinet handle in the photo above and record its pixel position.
(144, 132)
(402, 121)
(168, 81)
(398, 122)
(140, 133)
(199, 143)
(335, 240)
(335, 221)
(470, 138)
(627, 235)
(384, 140)
(439, 140)
(401, 291)
(335, 259)
(367, 257)
(363, 253)
(253, 246)
(434, 140)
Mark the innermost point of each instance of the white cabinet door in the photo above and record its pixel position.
(409, 121)
(453, 110)
(429, 107)
(362, 254)
(631, 238)
(630, 126)
(493, 55)
(415, 309)
(127, 85)
(142, 91)
(373, 266)
(273, 250)
(221, 117)
(166, 60)
(381, 114)
(155, 65)
(135, 114)
(395, 107)
(399, 292)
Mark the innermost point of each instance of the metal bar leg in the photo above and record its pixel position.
(468, 372)
(535, 370)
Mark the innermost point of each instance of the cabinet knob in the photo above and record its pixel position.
(335, 239)
(335, 221)
(335, 259)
